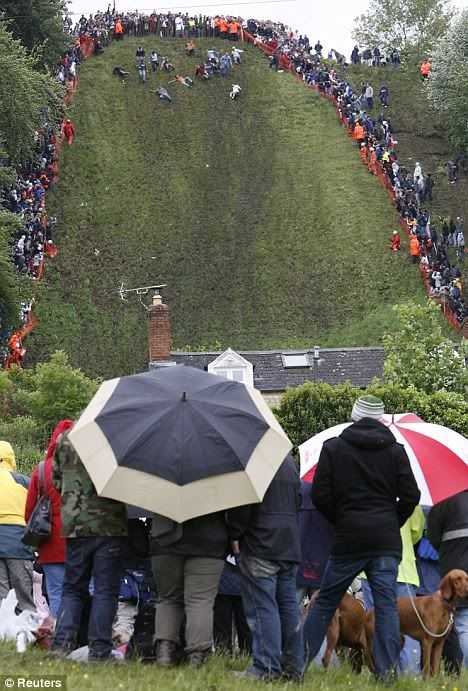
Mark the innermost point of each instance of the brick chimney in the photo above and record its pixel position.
(159, 333)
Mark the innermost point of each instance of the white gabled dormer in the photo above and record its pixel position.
(233, 366)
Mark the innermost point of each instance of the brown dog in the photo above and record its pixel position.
(434, 611)
(346, 630)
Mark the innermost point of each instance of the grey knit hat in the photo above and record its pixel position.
(367, 406)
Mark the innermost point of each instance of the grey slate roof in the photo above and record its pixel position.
(336, 366)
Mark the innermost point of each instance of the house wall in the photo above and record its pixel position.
(273, 398)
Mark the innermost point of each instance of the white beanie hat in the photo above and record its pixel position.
(367, 406)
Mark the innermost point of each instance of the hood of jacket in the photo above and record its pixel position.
(61, 427)
(7, 455)
(368, 434)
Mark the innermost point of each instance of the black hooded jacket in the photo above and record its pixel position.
(364, 485)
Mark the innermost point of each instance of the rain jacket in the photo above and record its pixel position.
(13, 493)
(411, 533)
(358, 131)
(414, 246)
(447, 531)
(84, 513)
(365, 487)
(51, 550)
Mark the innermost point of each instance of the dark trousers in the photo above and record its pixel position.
(226, 609)
(381, 573)
(99, 557)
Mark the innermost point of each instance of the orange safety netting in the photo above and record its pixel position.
(374, 166)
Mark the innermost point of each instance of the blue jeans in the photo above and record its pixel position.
(410, 655)
(99, 557)
(54, 575)
(270, 606)
(461, 626)
(338, 576)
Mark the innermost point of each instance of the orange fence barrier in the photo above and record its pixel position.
(375, 168)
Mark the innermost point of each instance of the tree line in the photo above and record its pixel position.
(32, 42)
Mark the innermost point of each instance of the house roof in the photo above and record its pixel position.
(336, 366)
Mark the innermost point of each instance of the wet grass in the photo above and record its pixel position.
(216, 675)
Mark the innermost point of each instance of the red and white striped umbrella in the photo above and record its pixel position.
(438, 455)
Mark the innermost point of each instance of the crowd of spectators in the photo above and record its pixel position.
(437, 252)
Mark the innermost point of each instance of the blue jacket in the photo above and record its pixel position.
(316, 536)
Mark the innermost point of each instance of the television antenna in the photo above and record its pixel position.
(144, 290)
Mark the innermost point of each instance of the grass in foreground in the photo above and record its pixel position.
(257, 213)
(215, 676)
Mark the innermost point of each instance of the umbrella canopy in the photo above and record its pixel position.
(180, 442)
(438, 455)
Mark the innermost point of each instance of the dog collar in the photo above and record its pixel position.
(448, 606)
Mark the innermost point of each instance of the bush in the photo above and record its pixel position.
(27, 439)
(311, 408)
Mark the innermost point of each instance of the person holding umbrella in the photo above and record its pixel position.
(186, 445)
(94, 527)
(365, 487)
(187, 560)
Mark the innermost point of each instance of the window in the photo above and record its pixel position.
(233, 374)
(233, 366)
(295, 360)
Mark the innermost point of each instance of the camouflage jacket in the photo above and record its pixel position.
(84, 513)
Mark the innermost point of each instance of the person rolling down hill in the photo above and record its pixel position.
(119, 72)
(201, 71)
(235, 91)
(162, 93)
(166, 65)
(185, 81)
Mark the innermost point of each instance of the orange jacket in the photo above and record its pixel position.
(358, 131)
(118, 27)
(233, 27)
(414, 246)
(364, 153)
(426, 68)
(217, 21)
(223, 26)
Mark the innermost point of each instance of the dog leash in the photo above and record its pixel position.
(429, 633)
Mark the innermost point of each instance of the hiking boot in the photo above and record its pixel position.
(165, 653)
(197, 658)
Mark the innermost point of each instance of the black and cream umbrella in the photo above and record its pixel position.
(180, 442)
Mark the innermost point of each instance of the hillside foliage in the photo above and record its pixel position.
(448, 82)
(313, 407)
(33, 401)
(418, 353)
(412, 26)
(38, 24)
(24, 95)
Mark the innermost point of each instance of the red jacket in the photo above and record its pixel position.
(52, 550)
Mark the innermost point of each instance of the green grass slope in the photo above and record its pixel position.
(257, 213)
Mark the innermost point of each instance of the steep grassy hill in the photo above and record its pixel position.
(258, 214)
